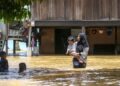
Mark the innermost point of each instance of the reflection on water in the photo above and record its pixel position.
(83, 78)
(58, 71)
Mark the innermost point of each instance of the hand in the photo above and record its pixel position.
(80, 61)
(73, 54)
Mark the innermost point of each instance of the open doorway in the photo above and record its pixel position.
(61, 36)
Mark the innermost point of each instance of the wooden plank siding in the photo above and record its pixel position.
(94, 15)
(76, 10)
(47, 41)
(118, 7)
(114, 9)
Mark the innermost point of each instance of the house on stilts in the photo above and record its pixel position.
(57, 19)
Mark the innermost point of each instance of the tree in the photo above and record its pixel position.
(11, 10)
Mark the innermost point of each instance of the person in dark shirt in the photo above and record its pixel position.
(82, 48)
(3, 62)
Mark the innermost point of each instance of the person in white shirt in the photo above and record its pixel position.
(71, 49)
(79, 50)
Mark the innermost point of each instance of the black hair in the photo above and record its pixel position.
(2, 53)
(83, 40)
(22, 67)
(82, 43)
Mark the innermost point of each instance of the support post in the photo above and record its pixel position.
(83, 29)
(6, 49)
(14, 47)
(29, 49)
(116, 42)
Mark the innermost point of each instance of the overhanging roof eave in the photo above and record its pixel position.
(69, 23)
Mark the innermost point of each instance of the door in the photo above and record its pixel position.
(61, 36)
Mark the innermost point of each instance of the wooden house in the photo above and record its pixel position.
(57, 19)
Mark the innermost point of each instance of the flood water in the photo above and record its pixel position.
(58, 71)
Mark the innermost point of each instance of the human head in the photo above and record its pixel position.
(71, 40)
(2, 54)
(22, 67)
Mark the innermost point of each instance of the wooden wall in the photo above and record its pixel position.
(47, 41)
(76, 10)
(118, 35)
(97, 38)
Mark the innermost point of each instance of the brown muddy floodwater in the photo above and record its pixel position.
(58, 71)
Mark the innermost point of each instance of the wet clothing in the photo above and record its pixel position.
(71, 48)
(82, 47)
(3, 65)
(77, 64)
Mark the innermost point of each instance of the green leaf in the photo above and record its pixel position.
(11, 10)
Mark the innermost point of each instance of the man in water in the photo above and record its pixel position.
(3, 62)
